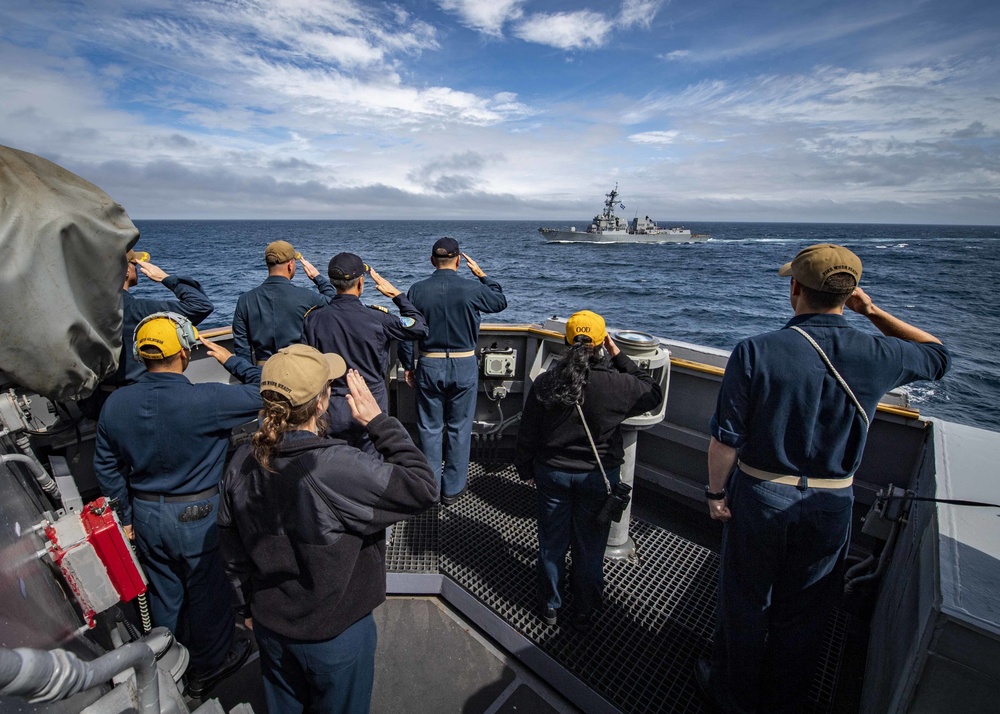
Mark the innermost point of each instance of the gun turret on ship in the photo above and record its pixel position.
(607, 227)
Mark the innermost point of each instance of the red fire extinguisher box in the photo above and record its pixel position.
(107, 538)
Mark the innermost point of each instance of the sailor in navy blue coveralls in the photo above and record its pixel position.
(446, 375)
(361, 334)
(270, 316)
(191, 302)
(789, 438)
(160, 450)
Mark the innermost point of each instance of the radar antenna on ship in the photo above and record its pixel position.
(609, 204)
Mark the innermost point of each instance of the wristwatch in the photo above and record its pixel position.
(714, 495)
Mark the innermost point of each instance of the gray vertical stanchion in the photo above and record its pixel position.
(620, 544)
(646, 351)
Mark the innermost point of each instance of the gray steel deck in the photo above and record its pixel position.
(659, 610)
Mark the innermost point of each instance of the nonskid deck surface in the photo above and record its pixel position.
(659, 611)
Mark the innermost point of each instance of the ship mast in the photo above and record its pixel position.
(609, 204)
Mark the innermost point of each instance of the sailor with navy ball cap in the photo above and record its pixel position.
(445, 373)
(362, 335)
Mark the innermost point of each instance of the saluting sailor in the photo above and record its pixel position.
(160, 450)
(361, 334)
(788, 433)
(191, 302)
(270, 316)
(446, 376)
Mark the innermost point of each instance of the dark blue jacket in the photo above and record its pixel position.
(361, 334)
(164, 434)
(785, 413)
(555, 437)
(269, 317)
(305, 543)
(191, 302)
(452, 306)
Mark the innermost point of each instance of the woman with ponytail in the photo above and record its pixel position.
(302, 519)
(555, 454)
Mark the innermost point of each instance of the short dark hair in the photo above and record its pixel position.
(838, 288)
(439, 260)
(154, 365)
(343, 286)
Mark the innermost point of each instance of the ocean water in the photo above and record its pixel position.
(944, 279)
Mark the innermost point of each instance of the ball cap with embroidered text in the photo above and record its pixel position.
(158, 339)
(346, 266)
(445, 248)
(300, 372)
(815, 264)
(280, 251)
(586, 323)
(136, 255)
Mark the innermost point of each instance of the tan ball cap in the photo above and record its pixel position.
(300, 372)
(813, 265)
(280, 251)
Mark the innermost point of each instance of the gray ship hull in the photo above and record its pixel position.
(553, 235)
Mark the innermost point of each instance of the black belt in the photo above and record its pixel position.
(176, 497)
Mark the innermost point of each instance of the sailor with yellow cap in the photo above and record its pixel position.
(558, 451)
(191, 302)
(270, 316)
(160, 449)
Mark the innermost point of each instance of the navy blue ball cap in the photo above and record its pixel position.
(445, 248)
(346, 266)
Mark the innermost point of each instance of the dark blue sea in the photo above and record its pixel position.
(944, 279)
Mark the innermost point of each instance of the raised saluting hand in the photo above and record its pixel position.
(364, 408)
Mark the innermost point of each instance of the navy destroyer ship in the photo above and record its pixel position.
(608, 227)
(918, 629)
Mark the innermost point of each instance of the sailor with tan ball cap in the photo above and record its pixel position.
(303, 519)
(788, 433)
(270, 316)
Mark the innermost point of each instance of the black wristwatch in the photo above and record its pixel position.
(714, 495)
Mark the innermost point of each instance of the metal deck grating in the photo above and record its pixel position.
(659, 612)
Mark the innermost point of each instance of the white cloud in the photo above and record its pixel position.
(582, 29)
(677, 55)
(893, 137)
(486, 16)
(655, 137)
(328, 65)
(352, 109)
(638, 12)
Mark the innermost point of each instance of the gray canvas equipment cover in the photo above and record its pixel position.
(63, 242)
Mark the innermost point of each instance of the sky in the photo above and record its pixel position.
(868, 111)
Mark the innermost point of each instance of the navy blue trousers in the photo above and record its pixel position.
(568, 504)
(446, 405)
(332, 676)
(780, 577)
(188, 590)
